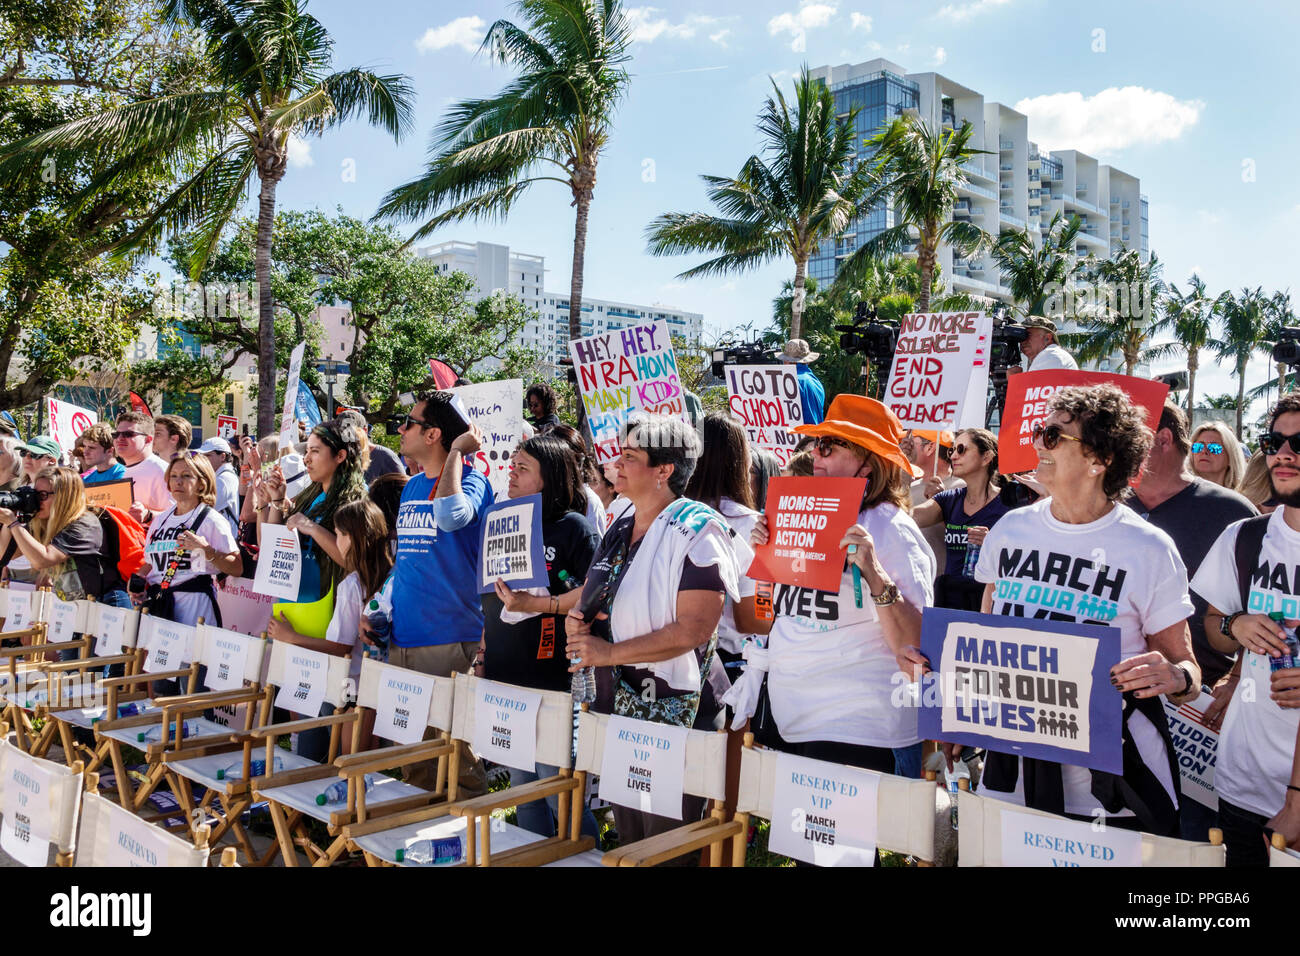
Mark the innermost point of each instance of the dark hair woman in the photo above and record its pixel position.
(595, 508)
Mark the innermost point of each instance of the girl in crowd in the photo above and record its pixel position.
(386, 493)
(595, 509)
(1217, 456)
(523, 632)
(1256, 485)
(11, 463)
(967, 512)
(831, 658)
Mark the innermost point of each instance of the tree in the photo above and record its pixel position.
(1190, 318)
(803, 189)
(921, 172)
(1116, 313)
(558, 114)
(1037, 276)
(266, 78)
(1245, 317)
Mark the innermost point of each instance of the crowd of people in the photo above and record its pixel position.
(1189, 552)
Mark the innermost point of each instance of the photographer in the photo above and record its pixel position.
(1040, 348)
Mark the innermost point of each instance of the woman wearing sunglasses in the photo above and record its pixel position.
(1217, 456)
(1080, 556)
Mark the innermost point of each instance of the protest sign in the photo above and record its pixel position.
(1033, 688)
(644, 766)
(302, 685)
(1026, 406)
(823, 813)
(940, 374)
(27, 802)
(67, 421)
(806, 518)
(1032, 840)
(511, 546)
(505, 724)
(1196, 747)
(242, 608)
(497, 409)
(766, 400)
(111, 494)
(402, 711)
(288, 421)
(625, 371)
(279, 564)
(227, 427)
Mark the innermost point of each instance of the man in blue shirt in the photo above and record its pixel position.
(812, 396)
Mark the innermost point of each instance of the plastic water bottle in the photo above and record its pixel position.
(959, 771)
(130, 710)
(1292, 656)
(972, 559)
(188, 729)
(446, 850)
(381, 629)
(582, 686)
(256, 768)
(338, 792)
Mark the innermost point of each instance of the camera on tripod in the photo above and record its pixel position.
(868, 336)
(24, 502)
(1287, 349)
(747, 353)
(1007, 337)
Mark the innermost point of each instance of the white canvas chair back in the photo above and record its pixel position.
(64, 620)
(339, 689)
(554, 719)
(904, 807)
(24, 606)
(979, 837)
(115, 628)
(53, 793)
(1278, 857)
(441, 706)
(111, 836)
(215, 642)
(706, 756)
(147, 637)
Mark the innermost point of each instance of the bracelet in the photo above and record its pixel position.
(13, 524)
(555, 605)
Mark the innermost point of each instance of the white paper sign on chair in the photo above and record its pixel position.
(110, 631)
(505, 724)
(643, 766)
(20, 612)
(823, 813)
(25, 802)
(1029, 840)
(402, 709)
(302, 687)
(169, 646)
(130, 841)
(66, 619)
(228, 661)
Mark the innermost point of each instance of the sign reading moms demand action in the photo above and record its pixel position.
(806, 518)
(1039, 689)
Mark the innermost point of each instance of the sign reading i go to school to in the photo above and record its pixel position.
(766, 400)
(1035, 688)
(644, 766)
(505, 724)
(1032, 840)
(625, 371)
(511, 547)
(940, 374)
(806, 519)
(1196, 748)
(823, 813)
(279, 566)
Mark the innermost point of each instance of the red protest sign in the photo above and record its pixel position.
(1026, 405)
(806, 518)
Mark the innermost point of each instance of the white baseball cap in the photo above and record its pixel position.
(215, 444)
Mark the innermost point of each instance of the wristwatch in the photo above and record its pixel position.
(1187, 681)
(886, 597)
(1225, 625)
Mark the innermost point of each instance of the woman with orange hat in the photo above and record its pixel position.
(831, 664)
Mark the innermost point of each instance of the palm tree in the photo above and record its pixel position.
(268, 76)
(1280, 316)
(802, 190)
(1221, 403)
(1120, 320)
(1036, 275)
(550, 124)
(1245, 319)
(1191, 319)
(922, 171)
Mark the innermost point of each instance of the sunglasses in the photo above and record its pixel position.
(24, 453)
(1213, 447)
(1051, 436)
(410, 420)
(127, 436)
(960, 450)
(826, 444)
(1271, 443)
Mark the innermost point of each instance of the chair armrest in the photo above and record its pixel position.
(512, 796)
(392, 821)
(297, 726)
(19, 634)
(386, 758)
(674, 843)
(136, 720)
(144, 677)
(86, 662)
(197, 703)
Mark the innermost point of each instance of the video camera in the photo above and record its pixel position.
(1287, 349)
(1004, 352)
(746, 353)
(24, 502)
(869, 336)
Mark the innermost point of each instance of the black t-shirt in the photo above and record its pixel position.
(87, 571)
(956, 523)
(531, 653)
(383, 461)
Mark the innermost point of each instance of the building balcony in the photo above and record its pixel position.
(1009, 218)
(1005, 145)
(966, 283)
(971, 168)
(1006, 187)
(1007, 167)
(976, 190)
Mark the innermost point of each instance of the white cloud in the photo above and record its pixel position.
(860, 21)
(810, 15)
(903, 49)
(873, 46)
(960, 12)
(300, 151)
(720, 38)
(464, 32)
(940, 54)
(1111, 120)
(648, 25)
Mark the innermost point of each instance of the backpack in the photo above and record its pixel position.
(123, 541)
(1245, 550)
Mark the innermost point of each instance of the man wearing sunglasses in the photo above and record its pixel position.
(133, 442)
(1252, 571)
(931, 451)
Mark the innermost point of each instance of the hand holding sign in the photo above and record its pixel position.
(802, 540)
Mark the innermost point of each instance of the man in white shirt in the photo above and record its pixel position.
(133, 443)
(1040, 348)
(171, 434)
(931, 451)
(217, 451)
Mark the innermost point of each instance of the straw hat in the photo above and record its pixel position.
(797, 350)
(867, 423)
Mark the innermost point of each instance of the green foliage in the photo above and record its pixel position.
(1116, 311)
(1040, 277)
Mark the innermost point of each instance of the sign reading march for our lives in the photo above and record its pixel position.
(766, 400)
(279, 566)
(823, 813)
(1032, 840)
(625, 371)
(940, 375)
(511, 547)
(806, 518)
(1196, 747)
(497, 409)
(1036, 688)
(505, 724)
(644, 766)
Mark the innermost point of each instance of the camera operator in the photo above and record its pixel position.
(1040, 347)
(811, 393)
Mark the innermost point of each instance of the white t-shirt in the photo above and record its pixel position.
(740, 520)
(1052, 357)
(1117, 570)
(161, 545)
(1258, 737)
(228, 494)
(934, 534)
(830, 671)
(345, 624)
(149, 475)
(596, 511)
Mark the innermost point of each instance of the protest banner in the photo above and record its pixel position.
(823, 813)
(1197, 748)
(67, 421)
(511, 545)
(288, 421)
(227, 427)
(806, 518)
(1026, 406)
(940, 374)
(644, 766)
(766, 400)
(625, 371)
(1030, 839)
(243, 609)
(1029, 687)
(279, 565)
(111, 494)
(497, 409)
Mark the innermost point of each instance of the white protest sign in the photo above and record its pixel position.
(169, 645)
(227, 658)
(505, 724)
(1196, 747)
(67, 619)
(67, 422)
(25, 802)
(766, 400)
(497, 409)
(823, 813)
(624, 371)
(279, 565)
(1030, 840)
(402, 710)
(643, 766)
(938, 362)
(130, 841)
(302, 685)
(19, 615)
(289, 421)
(111, 629)
(242, 608)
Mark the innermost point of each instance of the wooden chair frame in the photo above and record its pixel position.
(66, 851)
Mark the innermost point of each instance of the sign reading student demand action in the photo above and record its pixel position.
(279, 566)
(806, 518)
(625, 371)
(1033, 688)
(766, 400)
(940, 374)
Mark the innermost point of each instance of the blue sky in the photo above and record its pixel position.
(1178, 93)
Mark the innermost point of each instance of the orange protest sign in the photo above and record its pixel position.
(806, 518)
(111, 494)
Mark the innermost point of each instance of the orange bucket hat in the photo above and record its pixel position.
(942, 438)
(867, 423)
